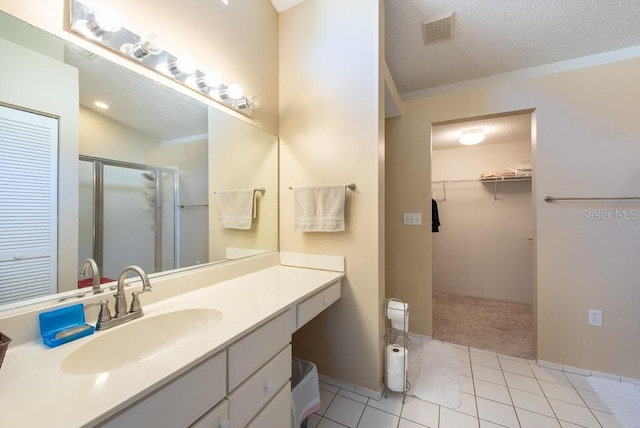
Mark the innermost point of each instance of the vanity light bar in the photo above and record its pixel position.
(147, 50)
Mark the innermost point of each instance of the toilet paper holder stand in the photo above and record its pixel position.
(397, 336)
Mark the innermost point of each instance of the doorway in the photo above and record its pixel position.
(483, 248)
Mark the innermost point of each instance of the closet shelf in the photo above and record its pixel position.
(494, 180)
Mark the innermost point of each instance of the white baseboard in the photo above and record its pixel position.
(586, 372)
(366, 392)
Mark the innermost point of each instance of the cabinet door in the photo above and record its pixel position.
(251, 396)
(317, 303)
(256, 348)
(277, 413)
(218, 417)
(181, 402)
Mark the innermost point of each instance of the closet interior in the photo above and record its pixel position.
(483, 247)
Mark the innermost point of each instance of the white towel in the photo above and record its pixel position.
(319, 208)
(236, 208)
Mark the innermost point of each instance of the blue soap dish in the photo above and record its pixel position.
(64, 325)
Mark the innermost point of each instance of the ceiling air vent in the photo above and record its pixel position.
(438, 30)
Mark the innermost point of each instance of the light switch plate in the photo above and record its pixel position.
(412, 219)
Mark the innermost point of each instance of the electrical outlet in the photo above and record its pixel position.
(595, 317)
(412, 219)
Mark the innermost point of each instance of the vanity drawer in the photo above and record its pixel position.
(252, 395)
(256, 348)
(277, 413)
(196, 391)
(218, 417)
(317, 303)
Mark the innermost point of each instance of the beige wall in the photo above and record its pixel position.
(242, 157)
(330, 133)
(240, 40)
(105, 138)
(51, 87)
(408, 248)
(585, 145)
(14, 30)
(482, 247)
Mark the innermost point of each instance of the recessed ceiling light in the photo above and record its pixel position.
(101, 105)
(471, 137)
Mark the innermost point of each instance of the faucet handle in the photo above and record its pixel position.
(104, 315)
(135, 301)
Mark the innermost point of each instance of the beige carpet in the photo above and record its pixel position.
(494, 325)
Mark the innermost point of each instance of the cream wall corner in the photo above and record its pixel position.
(330, 132)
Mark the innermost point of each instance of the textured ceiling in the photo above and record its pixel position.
(498, 130)
(499, 36)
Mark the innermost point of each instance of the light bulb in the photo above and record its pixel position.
(183, 64)
(101, 105)
(233, 91)
(82, 27)
(251, 102)
(471, 137)
(212, 79)
(147, 45)
(163, 68)
(105, 20)
(192, 82)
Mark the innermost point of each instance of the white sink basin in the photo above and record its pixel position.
(139, 340)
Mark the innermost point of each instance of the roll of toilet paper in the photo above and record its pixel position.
(398, 313)
(396, 382)
(397, 358)
(397, 366)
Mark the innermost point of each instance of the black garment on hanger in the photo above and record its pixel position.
(435, 220)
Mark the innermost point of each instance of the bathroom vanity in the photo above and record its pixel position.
(217, 356)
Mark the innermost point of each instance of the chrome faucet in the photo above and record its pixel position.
(90, 263)
(105, 320)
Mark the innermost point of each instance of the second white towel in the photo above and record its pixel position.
(236, 208)
(319, 208)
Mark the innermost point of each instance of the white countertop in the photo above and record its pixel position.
(35, 392)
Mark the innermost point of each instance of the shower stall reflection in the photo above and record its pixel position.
(128, 214)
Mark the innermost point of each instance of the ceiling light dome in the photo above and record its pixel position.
(471, 137)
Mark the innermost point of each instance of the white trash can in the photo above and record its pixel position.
(305, 391)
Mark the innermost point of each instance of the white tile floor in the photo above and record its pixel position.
(497, 391)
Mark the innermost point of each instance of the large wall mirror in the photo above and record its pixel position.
(135, 182)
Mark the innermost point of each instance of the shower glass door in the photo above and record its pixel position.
(128, 216)
(129, 220)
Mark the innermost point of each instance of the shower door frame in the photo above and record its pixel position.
(98, 208)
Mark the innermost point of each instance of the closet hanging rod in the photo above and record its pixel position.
(593, 198)
(483, 180)
(350, 186)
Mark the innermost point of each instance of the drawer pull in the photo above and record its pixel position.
(268, 387)
(224, 424)
(325, 302)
